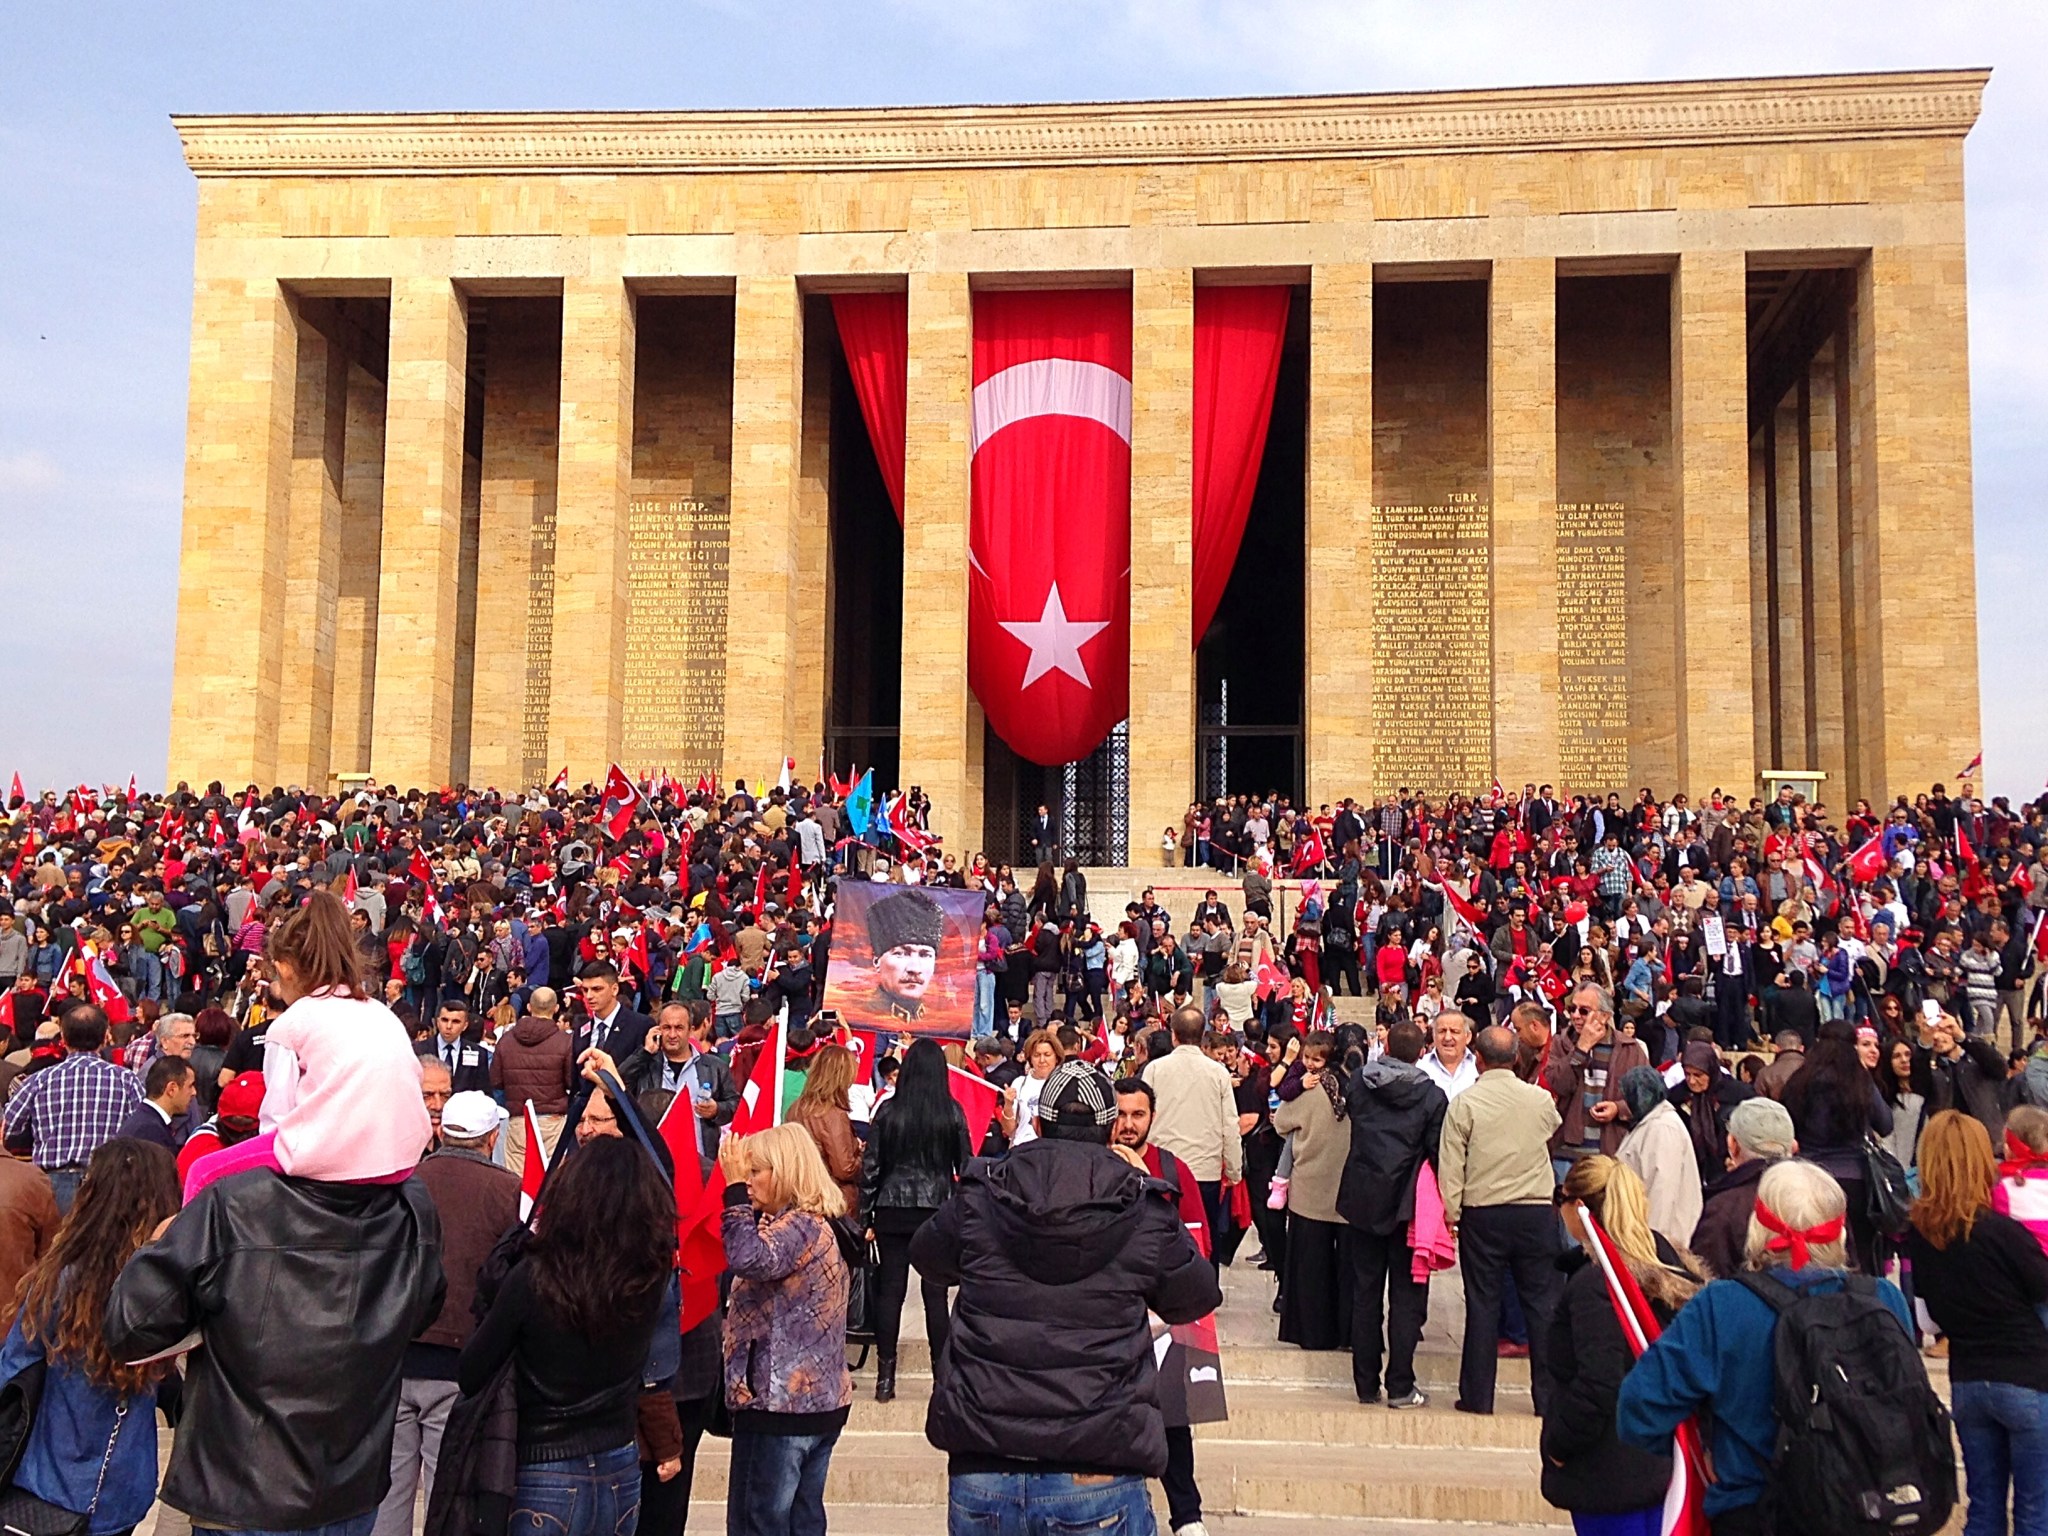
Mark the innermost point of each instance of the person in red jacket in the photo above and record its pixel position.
(1132, 1133)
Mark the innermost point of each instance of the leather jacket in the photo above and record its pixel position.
(304, 1296)
(922, 1180)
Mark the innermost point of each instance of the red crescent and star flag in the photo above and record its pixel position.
(1049, 537)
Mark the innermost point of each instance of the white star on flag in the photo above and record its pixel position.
(1056, 641)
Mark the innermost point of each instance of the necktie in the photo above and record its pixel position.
(448, 1054)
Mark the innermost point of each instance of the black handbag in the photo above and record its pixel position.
(1891, 1196)
(21, 1512)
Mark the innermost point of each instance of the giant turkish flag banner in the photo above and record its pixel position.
(1049, 540)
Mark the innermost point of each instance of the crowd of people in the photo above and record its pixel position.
(401, 1143)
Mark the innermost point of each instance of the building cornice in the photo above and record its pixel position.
(1832, 108)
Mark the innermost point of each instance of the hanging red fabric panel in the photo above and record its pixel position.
(1049, 538)
(1238, 336)
(874, 331)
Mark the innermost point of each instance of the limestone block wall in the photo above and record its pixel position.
(1614, 451)
(1500, 196)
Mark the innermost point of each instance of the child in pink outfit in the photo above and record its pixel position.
(342, 1099)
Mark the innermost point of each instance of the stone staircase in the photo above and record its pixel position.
(1297, 1444)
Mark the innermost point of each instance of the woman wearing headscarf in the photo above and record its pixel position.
(1703, 1101)
(1660, 1151)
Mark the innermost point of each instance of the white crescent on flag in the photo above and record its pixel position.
(1051, 386)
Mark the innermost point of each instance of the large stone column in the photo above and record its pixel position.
(522, 414)
(1764, 734)
(231, 560)
(593, 474)
(359, 559)
(762, 644)
(1824, 576)
(1162, 729)
(1911, 390)
(1796, 746)
(312, 558)
(1522, 412)
(418, 576)
(1709, 398)
(811, 677)
(1338, 627)
(940, 721)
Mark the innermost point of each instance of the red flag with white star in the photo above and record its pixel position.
(1049, 541)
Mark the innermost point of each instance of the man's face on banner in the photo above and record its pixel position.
(906, 970)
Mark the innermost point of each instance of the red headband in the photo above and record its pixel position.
(2019, 1158)
(1794, 1238)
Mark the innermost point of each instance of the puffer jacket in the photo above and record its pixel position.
(1058, 1251)
(535, 1059)
(304, 1296)
(1397, 1118)
(909, 1178)
(785, 1325)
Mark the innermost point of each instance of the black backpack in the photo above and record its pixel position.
(1863, 1443)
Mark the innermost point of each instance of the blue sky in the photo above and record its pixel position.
(96, 239)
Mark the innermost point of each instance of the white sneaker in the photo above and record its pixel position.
(1192, 1528)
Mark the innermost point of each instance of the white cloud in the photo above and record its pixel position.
(29, 472)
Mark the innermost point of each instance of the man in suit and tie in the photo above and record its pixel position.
(1732, 973)
(167, 1089)
(468, 1060)
(608, 1023)
(1043, 836)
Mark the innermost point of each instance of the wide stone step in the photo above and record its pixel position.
(1436, 1368)
(1399, 1483)
(1300, 1416)
(905, 1520)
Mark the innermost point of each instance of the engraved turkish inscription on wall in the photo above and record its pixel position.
(540, 646)
(1432, 647)
(1592, 643)
(675, 634)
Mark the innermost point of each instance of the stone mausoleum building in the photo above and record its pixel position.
(1620, 435)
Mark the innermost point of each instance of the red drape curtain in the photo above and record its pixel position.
(1238, 335)
(874, 330)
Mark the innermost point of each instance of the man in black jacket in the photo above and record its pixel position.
(609, 1025)
(1058, 1250)
(290, 1399)
(1397, 1117)
(676, 1055)
(1966, 1073)
(467, 1059)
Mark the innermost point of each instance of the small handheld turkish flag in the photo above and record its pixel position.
(615, 810)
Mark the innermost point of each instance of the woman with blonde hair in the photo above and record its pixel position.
(1018, 1112)
(1718, 1352)
(1609, 1487)
(1984, 1277)
(786, 1381)
(822, 1109)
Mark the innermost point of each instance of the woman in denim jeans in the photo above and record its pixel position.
(786, 1381)
(577, 1315)
(1985, 1280)
(92, 1445)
